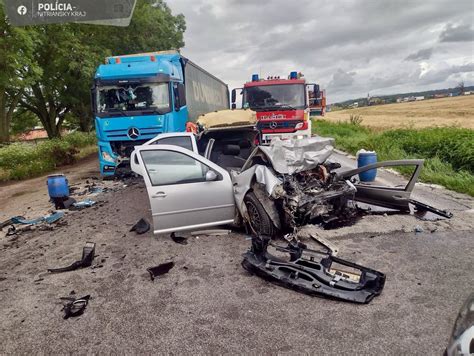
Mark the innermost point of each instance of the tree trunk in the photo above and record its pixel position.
(4, 122)
(46, 111)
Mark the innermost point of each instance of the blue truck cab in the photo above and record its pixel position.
(136, 97)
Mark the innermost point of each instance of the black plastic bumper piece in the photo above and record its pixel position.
(330, 277)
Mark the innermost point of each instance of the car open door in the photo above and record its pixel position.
(388, 197)
(181, 139)
(186, 191)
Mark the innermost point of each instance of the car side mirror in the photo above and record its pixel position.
(211, 176)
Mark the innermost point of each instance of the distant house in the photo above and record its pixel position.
(443, 95)
(418, 98)
(467, 93)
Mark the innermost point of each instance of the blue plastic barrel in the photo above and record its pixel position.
(364, 159)
(57, 186)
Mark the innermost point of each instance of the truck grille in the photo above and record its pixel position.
(277, 125)
(122, 134)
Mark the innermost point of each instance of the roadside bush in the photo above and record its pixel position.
(22, 160)
(448, 151)
(355, 119)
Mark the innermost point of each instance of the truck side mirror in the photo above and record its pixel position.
(316, 90)
(176, 96)
(233, 96)
(93, 100)
(181, 94)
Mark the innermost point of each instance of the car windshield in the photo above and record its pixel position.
(150, 97)
(282, 96)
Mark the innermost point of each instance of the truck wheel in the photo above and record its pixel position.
(259, 218)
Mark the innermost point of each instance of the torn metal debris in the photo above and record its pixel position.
(88, 254)
(328, 276)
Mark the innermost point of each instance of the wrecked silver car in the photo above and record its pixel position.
(221, 176)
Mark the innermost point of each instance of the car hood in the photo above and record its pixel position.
(293, 156)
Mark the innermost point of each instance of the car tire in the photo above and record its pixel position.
(259, 219)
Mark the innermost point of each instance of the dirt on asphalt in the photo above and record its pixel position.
(208, 303)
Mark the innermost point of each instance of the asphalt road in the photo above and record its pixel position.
(209, 304)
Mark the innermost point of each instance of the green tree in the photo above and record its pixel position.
(23, 121)
(67, 62)
(69, 54)
(17, 69)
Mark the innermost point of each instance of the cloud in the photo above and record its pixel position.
(349, 47)
(420, 55)
(444, 71)
(341, 79)
(460, 33)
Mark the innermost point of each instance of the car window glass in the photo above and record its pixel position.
(169, 167)
(181, 141)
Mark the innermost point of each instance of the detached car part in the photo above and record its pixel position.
(160, 269)
(421, 207)
(88, 254)
(328, 276)
(389, 197)
(75, 307)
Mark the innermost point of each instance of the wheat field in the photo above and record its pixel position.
(452, 111)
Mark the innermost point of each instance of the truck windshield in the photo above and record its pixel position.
(146, 98)
(282, 96)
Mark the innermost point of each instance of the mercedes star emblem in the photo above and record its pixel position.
(273, 125)
(133, 133)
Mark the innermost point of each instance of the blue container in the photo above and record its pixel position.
(364, 159)
(58, 186)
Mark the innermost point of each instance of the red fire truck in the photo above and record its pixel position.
(283, 106)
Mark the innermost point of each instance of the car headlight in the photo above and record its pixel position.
(107, 157)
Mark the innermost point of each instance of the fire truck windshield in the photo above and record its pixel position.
(280, 96)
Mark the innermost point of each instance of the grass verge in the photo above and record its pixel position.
(23, 160)
(448, 151)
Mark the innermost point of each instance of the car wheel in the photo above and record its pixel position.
(259, 219)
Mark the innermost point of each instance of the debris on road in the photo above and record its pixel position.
(418, 229)
(88, 254)
(75, 306)
(141, 227)
(51, 218)
(66, 204)
(160, 269)
(330, 277)
(423, 208)
(87, 203)
(179, 239)
(331, 249)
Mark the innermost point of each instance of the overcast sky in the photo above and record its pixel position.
(350, 47)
